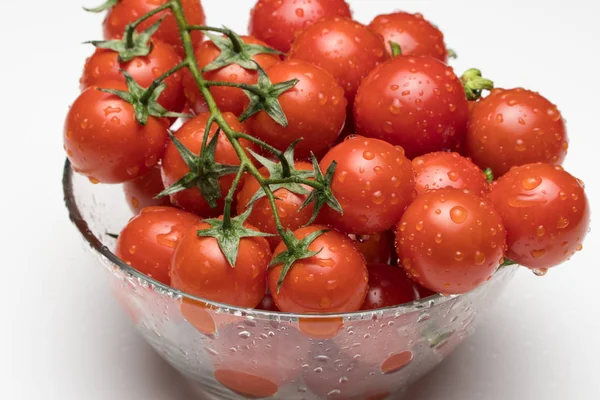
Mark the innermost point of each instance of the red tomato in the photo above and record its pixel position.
(440, 170)
(315, 109)
(374, 183)
(141, 192)
(200, 268)
(227, 98)
(288, 206)
(546, 214)
(128, 11)
(515, 127)
(378, 248)
(450, 241)
(277, 22)
(105, 142)
(174, 168)
(335, 280)
(267, 304)
(148, 241)
(414, 102)
(342, 47)
(390, 286)
(415, 35)
(103, 65)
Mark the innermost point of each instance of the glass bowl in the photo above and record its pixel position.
(234, 353)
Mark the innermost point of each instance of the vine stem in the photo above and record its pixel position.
(156, 83)
(243, 86)
(130, 30)
(229, 198)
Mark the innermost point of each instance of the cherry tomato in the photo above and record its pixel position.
(105, 142)
(277, 22)
(148, 241)
(450, 241)
(415, 35)
(141, 192)
(377, 248)
(373, 182)
(516, 127)
(288, 206)
(414, 102)
(103, 65)
(174, 168)
(200, 268)
(315, 109)
(128, 11)
(267, 304)
(342, 47)
(335, 280)
(546, 213)
(227, 98)
(390, 286)
(440, 170)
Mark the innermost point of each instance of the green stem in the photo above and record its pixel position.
(295, 179)
(206, 29)
(156, 83)
(229, 198)
(130, 29)
(243, 86)
(285, 165)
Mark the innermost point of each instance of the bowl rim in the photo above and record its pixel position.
(103, 251)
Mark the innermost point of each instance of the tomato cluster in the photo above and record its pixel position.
(347, 168)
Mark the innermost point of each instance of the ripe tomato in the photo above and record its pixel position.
(374, 183)
(450, 241)
(344, 48)
(335, 280)
(315, 109)
(174, 168)
(515, 127)
(141, 192)
(277, 22)
(415, 35)
(103, 65)
(390, 286)
(200, 268)
(267, 304)
(105, 142)
(546, 214)
(440, 170)
(148, 241)
(227, 98)
(414, 102)
(128, 11)
(377, 248)
(288, 206)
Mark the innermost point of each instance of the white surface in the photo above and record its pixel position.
(63, 337)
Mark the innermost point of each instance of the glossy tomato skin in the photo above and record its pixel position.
(442, 169)
(228, 99)
(342, 47)
(128, 11)
(546, 213)
(200, 268)
(450, 241)
(414, 102)
(390, 286)
(103, 65)
(141, 192)
(174, 168)
(373, 182)
(415, 35)
(515, 127)
(277, 22)
(377, 248)
(105, 142)
(148, 241)
(288, 206)
(315, 109)
(335, 280)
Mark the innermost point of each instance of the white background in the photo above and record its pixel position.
(63, 337)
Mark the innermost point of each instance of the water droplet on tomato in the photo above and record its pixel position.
(368, 155)
(540, 230)
(562, 223)
(458, 214)
(132, 171)
(132, 249)
(378, 197)
(453, 176)
(94, 180)
(520, 145)
(438, 238)
(531, 183)
(459, 256)
(540, 271)
(538, 253)
(479, 258)
(419, 226)
(499, 118)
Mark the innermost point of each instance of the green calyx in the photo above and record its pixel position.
(489, 175)
(297, 250)
(204, 171)
(396, 49)
(507, 262)
(229, 237)
(138, 46)
(452, 54)
(103, 7)
(264, 96)
(235, 51)
(475, 84)
(323, 195)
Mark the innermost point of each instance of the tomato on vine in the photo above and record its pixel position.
(141, 192)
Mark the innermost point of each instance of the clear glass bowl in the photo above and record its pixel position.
(234, 353)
